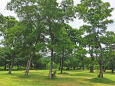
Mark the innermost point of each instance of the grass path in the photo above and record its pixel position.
(69, 78)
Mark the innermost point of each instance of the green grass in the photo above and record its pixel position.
(69, 78)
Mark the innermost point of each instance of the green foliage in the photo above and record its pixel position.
(43, 39)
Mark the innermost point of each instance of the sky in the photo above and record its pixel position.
(75, 24)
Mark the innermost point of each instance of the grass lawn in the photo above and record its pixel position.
(69, 78)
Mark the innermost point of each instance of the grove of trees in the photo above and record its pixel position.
(41, 38)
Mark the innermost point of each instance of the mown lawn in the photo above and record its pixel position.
(69, 78)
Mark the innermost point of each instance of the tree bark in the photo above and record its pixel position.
(52, 55)
(92, 65)
(62, 59)
(92, 69)
(12, 63)
(5, 64)
(101, 70)
(92, 59)
(104, 70)
(112, 70)
(28, 63)
(51, 64)
(100, 63)
(101, 57)
(60, 64)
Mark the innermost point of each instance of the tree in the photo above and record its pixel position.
(109, 58)
(89, 43)
(96, 13)
(28, 13)
(55, 15)
(10, 33)
(63, 46)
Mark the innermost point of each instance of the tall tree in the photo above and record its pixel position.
(109, 58)
(96, 13)
(29, 15)
(10, 32)
(55, 15)
(63, 45)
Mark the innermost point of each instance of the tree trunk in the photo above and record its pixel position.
(62, 59)
(92, 59)
(112, 70)
(100, 59)
(101, 63)
(12, 63)
(101, 70)
(5, 64)
(51, 64)
(104, 70)
(28, 63)
(60, 64)
(52, 55)
(92, 65)
(5, 67)
(92, 69)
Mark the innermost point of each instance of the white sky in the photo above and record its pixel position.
(75, 24)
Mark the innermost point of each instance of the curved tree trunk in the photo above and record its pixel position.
(101, 70)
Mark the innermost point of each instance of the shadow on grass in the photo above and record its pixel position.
(82, 74)
(31, 75)
(23, 76)
(101, 80)
(109, 73)
(39, 77)
(64, 73)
